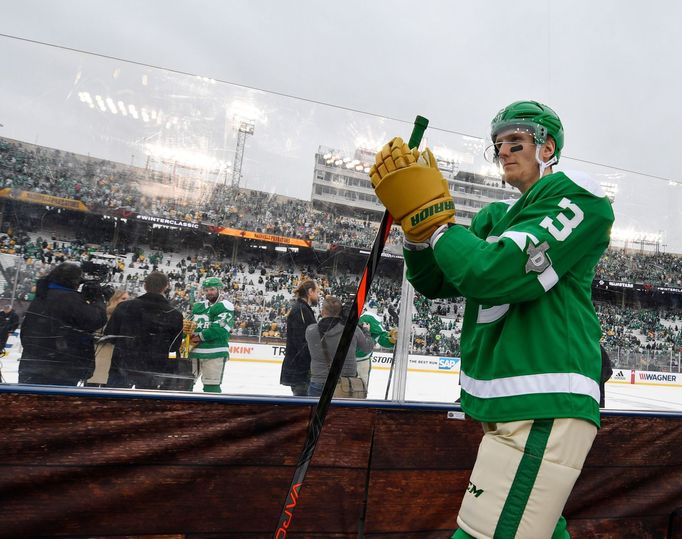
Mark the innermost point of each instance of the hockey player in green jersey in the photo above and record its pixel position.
(372, 325)
(209, 328)
(530, 357)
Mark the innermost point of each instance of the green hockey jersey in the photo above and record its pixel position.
(214, 325)
(530, 336)
(377, 332)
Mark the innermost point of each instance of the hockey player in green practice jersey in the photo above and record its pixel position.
(209, 329)
(530, 357)
(386, 339)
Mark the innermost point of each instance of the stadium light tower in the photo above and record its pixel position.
(245, 127)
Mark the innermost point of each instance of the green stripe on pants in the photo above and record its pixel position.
(514, 506)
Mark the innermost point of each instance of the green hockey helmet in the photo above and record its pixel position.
(535, 118)
(212, 282)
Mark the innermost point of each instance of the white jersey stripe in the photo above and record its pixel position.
(198, 350)
(548, 278)
(532, 384)
(490, 314)
(519, 238)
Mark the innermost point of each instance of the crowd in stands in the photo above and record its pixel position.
(260, 285)
(109, 188)
(652, 268)
(640, 328)
(436, 326)
(106, 187)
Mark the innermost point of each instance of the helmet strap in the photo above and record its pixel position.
(544, 165)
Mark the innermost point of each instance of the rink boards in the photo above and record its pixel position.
(271, 353)
(274, 354)
(90, 463)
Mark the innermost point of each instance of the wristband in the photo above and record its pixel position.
(415, 245)
(438, 234)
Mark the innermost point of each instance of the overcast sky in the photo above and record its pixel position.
(611, 69)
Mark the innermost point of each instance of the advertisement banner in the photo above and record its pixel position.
(272, 238)
(274, 353)
(166, 222)
(658, 378)
(42, 198)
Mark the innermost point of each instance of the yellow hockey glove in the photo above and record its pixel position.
(188, 326)
(412, 189)
(393, 335)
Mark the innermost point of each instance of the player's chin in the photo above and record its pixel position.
(509, 172)
(510, 179)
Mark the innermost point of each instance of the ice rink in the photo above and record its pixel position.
(261, 377)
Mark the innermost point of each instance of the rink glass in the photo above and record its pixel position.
(120, 164)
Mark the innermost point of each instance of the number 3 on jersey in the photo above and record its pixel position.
(567, 224)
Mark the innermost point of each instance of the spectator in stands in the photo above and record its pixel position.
(9, 322)
(209, 329)
(530, 365)
(147, 333)
(323, 340)
(296, 365)
(57, 331)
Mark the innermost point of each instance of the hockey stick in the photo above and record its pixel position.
(390, 375)
(317, 420)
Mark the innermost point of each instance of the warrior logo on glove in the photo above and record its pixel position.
(412, 189)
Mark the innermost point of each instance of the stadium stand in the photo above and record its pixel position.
(259, 279)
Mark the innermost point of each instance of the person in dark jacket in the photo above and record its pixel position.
(9, 321)
(296, 364)
(606, 372)
(57, 331)
(323, 340)
(147, 333)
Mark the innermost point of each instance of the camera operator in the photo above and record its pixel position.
(57, 331)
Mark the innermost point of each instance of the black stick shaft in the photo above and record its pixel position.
(317, 421)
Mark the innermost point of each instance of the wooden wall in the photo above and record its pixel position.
(73, 465)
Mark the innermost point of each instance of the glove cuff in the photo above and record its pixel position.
(415, 245)
(420, 222)
(438, 234)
